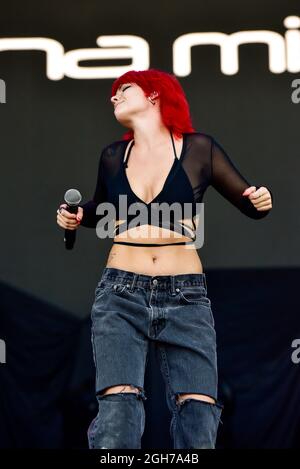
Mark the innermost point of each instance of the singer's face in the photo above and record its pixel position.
(129, 102)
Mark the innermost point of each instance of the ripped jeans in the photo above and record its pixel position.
(129, 310)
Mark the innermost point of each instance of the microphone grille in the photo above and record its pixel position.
(72, 197)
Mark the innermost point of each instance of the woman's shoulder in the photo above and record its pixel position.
(202, 140)
(114, 148)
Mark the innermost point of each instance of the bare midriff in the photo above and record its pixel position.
(160, 260)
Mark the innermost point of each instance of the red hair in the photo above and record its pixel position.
(174, 107)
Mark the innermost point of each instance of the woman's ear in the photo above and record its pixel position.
(154, 95)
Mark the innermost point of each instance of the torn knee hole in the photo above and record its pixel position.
(182, 399)
(121, 389)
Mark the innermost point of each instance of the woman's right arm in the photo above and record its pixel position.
(90, 219)
(86, 215)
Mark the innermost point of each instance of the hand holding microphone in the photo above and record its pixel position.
(69, 216)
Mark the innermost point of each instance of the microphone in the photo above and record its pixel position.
(72, 198)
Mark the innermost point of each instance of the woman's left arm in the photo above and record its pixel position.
(260, 197)
(255, 201)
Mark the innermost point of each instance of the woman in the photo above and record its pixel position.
(151, 289)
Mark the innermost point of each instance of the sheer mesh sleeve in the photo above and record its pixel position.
(228, 181)
(90, 219)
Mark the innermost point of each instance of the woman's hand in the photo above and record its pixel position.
(260, 198)
(67, 220)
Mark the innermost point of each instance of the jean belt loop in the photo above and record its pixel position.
(135, 275)
(204, 281)
(172, 285)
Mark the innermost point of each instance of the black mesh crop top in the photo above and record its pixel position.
(202, 162)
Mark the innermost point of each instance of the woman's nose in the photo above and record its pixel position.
(114, 99)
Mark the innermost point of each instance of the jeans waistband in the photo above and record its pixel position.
(160, 282)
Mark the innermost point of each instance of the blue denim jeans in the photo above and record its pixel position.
(173, 311)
